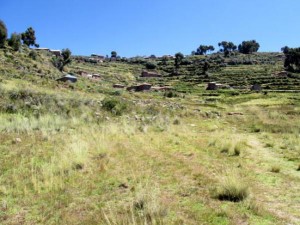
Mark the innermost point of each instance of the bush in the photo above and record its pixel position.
(114, 106)
(33, 55)
(15, 41)
(150, 65)
(170, 94)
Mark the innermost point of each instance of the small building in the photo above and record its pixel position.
(216, 86)
(97, 56)
(256, 87)
(149, 74)
(141, 87)
(68, 77)
(42, 49)
(55, 52)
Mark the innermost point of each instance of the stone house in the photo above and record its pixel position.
(150, 74)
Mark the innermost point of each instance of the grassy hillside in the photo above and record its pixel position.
(85, 153)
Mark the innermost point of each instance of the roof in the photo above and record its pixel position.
(47, 49)
(70, 76)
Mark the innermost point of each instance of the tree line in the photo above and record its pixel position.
(15, 41)
(28, 38)
(246, 47)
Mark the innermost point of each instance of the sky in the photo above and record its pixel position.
(159, 27)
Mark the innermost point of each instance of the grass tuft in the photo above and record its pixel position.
(231, 189)
(275, 169)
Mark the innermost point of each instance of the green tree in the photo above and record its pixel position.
(227, 47)
(28, 37)
(178, 59)
(15, 41)
(3, 34)
(248, 47)
(285, 49)
(66, 54)
(113, 54)
(292, 59)
(61, 61)
(203, 49)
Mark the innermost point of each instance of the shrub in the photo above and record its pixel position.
(15, 41)
(114, 106)
(170, 94)
(151, 65)
(33, 55)
(231, 189)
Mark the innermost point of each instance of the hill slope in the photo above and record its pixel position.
(85, 153)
